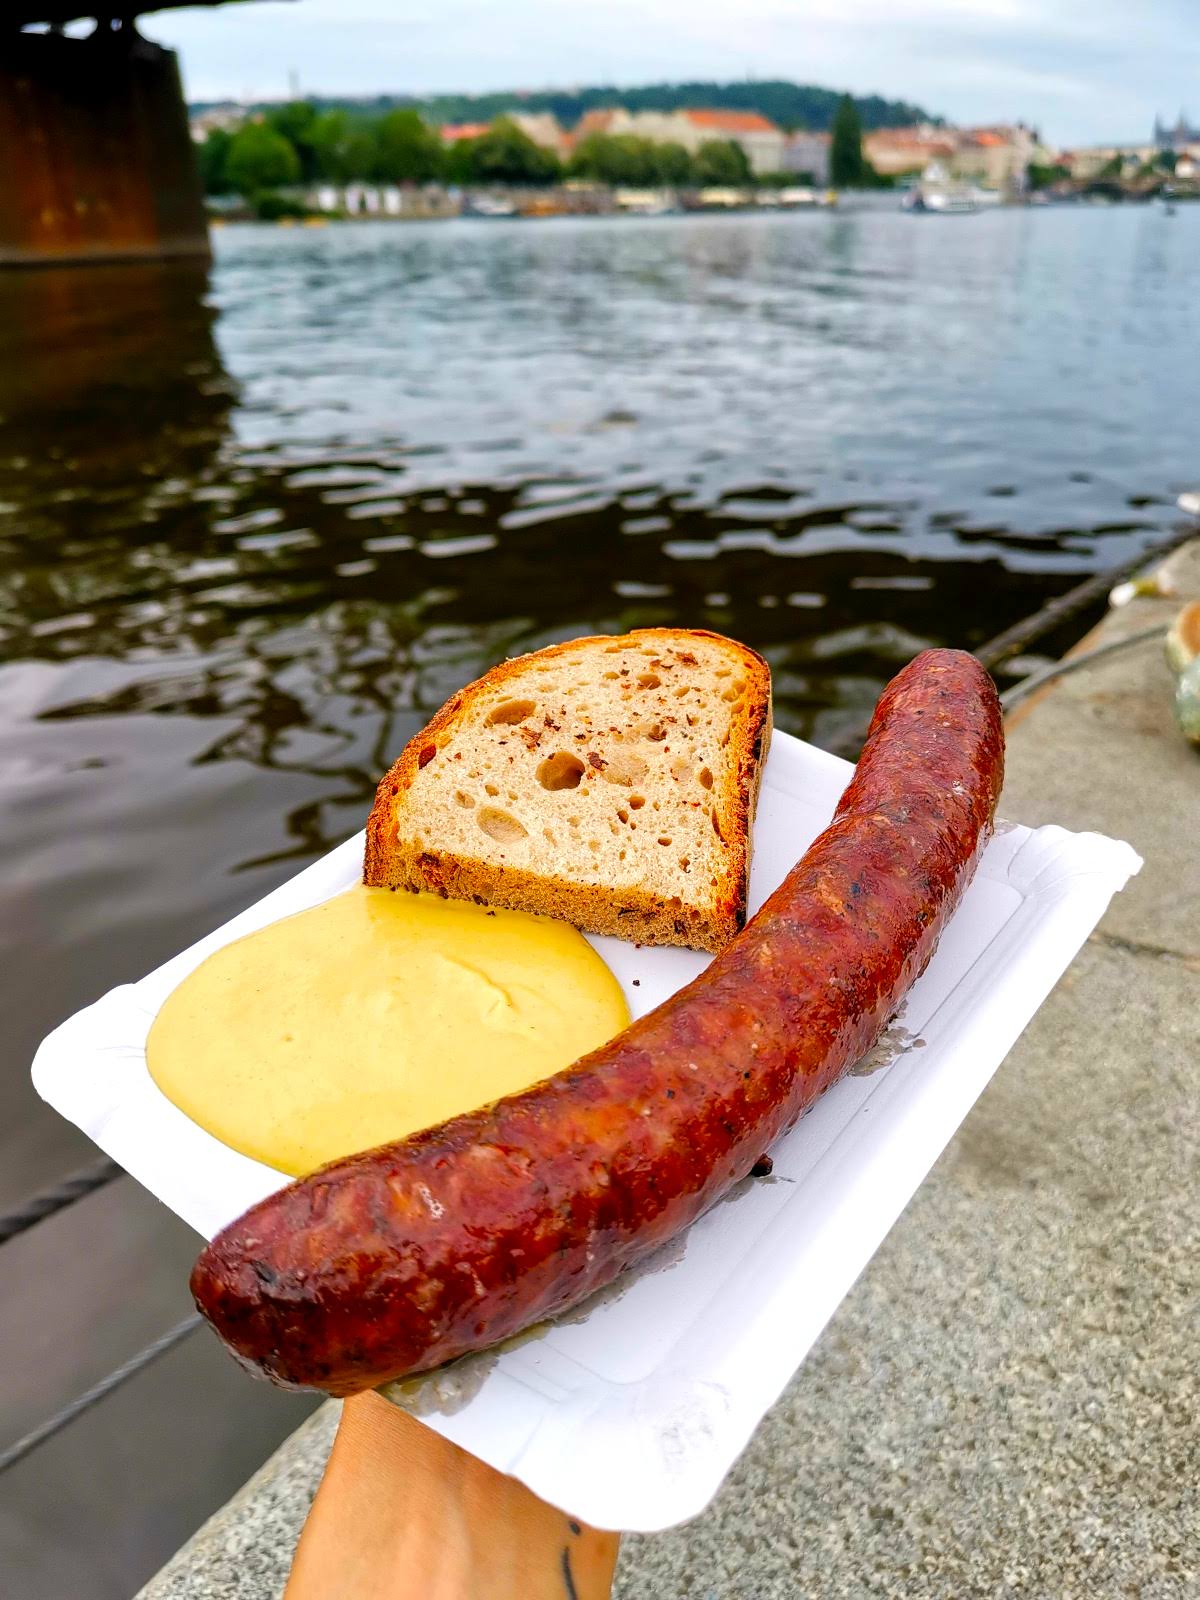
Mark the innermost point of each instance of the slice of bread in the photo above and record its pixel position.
(609, 781)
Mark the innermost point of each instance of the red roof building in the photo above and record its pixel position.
(452, 132)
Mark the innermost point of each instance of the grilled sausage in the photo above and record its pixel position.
(396, 1260)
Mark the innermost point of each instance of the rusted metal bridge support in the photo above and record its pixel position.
(96, 163)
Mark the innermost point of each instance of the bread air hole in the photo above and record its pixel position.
(636, 802)
(490, 788)
(664, 838)
(705, 777)
(463, 799)
(656, 732)
(734, 691)
(649, 680)
(560, 771)
(510, 711)
(427, 755)
(501, 825)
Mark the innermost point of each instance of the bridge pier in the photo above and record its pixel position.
(96, 162)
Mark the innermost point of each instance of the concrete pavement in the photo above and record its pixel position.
(1006, 1403)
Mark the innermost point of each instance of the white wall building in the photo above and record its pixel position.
(763, 143)
(808, 152)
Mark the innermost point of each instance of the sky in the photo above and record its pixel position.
(1081, 71)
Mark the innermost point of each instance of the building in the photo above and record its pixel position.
(894, 152)
(808, 153)
(452, 132)
(997, 157)
(1120, 161)
(603, 119)
(764, 144)
(544, 128)
(1177, 138)
(224, 118)
(992, 157)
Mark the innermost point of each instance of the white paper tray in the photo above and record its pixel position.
(629, 1411)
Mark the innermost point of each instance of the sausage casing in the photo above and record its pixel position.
(394, 1261)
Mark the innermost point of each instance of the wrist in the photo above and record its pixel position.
(403, 1514)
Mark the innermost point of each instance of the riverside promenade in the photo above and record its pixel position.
(1006, 1403)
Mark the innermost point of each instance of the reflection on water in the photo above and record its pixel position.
(258, 526)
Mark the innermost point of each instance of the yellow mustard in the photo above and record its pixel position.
(373, 1015)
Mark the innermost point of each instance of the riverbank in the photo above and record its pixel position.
(383, 203)
(1005, 1402)
(360, 202)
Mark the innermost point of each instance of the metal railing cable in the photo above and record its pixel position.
(1045, 620)
(1075, 663)
(57, 1197)
(98, 1391)
(1064, 606)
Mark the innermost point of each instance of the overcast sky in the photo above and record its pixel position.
(1084, 71)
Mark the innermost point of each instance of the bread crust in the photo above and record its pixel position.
(393, 863)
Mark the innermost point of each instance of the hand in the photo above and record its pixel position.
(403, 1514)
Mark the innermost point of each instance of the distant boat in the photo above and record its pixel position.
(951, 205)
(940, 202)
(799, 195)
(488, 205)
(644, 202)
(938, 192)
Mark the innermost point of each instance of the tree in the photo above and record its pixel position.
(506, 154)
(847, 168)
(790, 105)
(406, 150)
(621, 158)
(674, 163)
(343, 150)
(295, 121)
(1041, 175)
(212, 158)
(259, 158)
(460, 162)
(721, 164)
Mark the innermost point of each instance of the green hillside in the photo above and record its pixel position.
(791, 105)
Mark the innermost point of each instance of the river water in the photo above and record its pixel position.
(259, 522)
